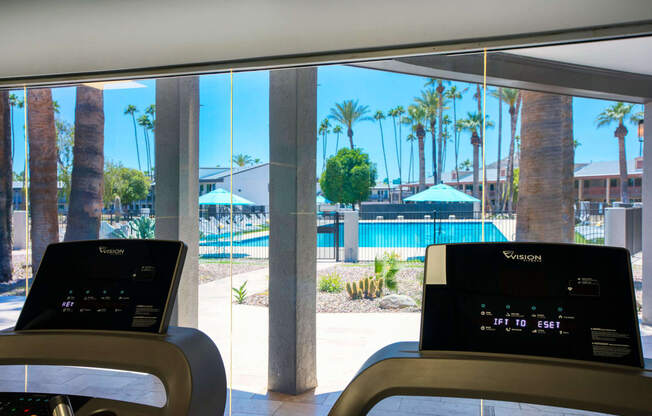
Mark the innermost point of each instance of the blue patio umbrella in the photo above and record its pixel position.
(441, 193)
(322, 200)
(222, 197)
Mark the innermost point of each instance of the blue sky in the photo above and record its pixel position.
(379, 90)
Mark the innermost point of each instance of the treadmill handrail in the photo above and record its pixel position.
(178, 358)
(401, 369)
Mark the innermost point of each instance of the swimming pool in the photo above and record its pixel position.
(393, 234)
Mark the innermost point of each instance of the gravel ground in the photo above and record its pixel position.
(408, 278)
(17, 286)
(210, 270)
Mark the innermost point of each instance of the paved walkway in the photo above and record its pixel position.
(344, 342)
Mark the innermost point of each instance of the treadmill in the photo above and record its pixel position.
(549, 324)
(107, 304)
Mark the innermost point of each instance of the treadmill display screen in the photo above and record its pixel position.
(554, 300)
(121, 285)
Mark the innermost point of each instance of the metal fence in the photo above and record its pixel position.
(251, 235)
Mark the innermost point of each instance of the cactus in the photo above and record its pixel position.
(368, 287)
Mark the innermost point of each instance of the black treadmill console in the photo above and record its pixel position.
(554, 300)
(122, 285)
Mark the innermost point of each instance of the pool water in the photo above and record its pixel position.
(391, 234)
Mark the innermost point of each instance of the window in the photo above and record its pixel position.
(613, 182)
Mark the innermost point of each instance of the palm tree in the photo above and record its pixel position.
(6, 188)
(14, 101)
(417, 116)
(411, 138)
(455, 94)
(429, 101)
(440, 110)
(466, 165)
(337, 130)
(499, 94)
(323, 131)
(617, 113)
(42, 172)
(445, 122)
(349, 112)
(131, 110)
(379, 116)
(473, 124)
(145, 122)
(242, 160)
(85, 208)
(151, 111)
(513, 98)
(546, 195)
(396, 114)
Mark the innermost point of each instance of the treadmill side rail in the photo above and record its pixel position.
(401, 369)
(193, 386)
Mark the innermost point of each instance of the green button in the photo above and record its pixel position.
(559, 309)
(534, 308)
(508, 306)
(483, 305)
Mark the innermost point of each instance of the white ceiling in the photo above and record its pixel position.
(49, 38)
(629, 55)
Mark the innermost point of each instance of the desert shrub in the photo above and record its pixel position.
(331, 283)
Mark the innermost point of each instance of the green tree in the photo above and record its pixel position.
(617, 113)
(128, 184)
(132, 110)
(466, 165)
(379, 117)
(349, 112)
(440, 110)
(455, 94)
(349, 177)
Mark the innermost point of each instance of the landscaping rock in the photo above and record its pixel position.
(397, 302)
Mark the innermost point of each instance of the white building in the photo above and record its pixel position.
(251, 182)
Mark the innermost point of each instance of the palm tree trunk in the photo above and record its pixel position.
(382, 143)
(456, 143)
(337, 142)
(422, 163)
(440, 138)
(434, 151)
(349, 133)
(545, 206)
(42, 172)
(147, 158)
(498, 192)
(85, 212)
(133, 118)
(509, 181)
(624, 185)
(476, 163)
(398, 162)
(6, 189)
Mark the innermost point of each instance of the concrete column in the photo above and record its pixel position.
(293, 230)
(607, 190)
(647, 217)
(19, 229)
(177, 183)
(580, 189)
(351, 239)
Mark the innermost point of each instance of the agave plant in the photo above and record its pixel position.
(141, 228)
